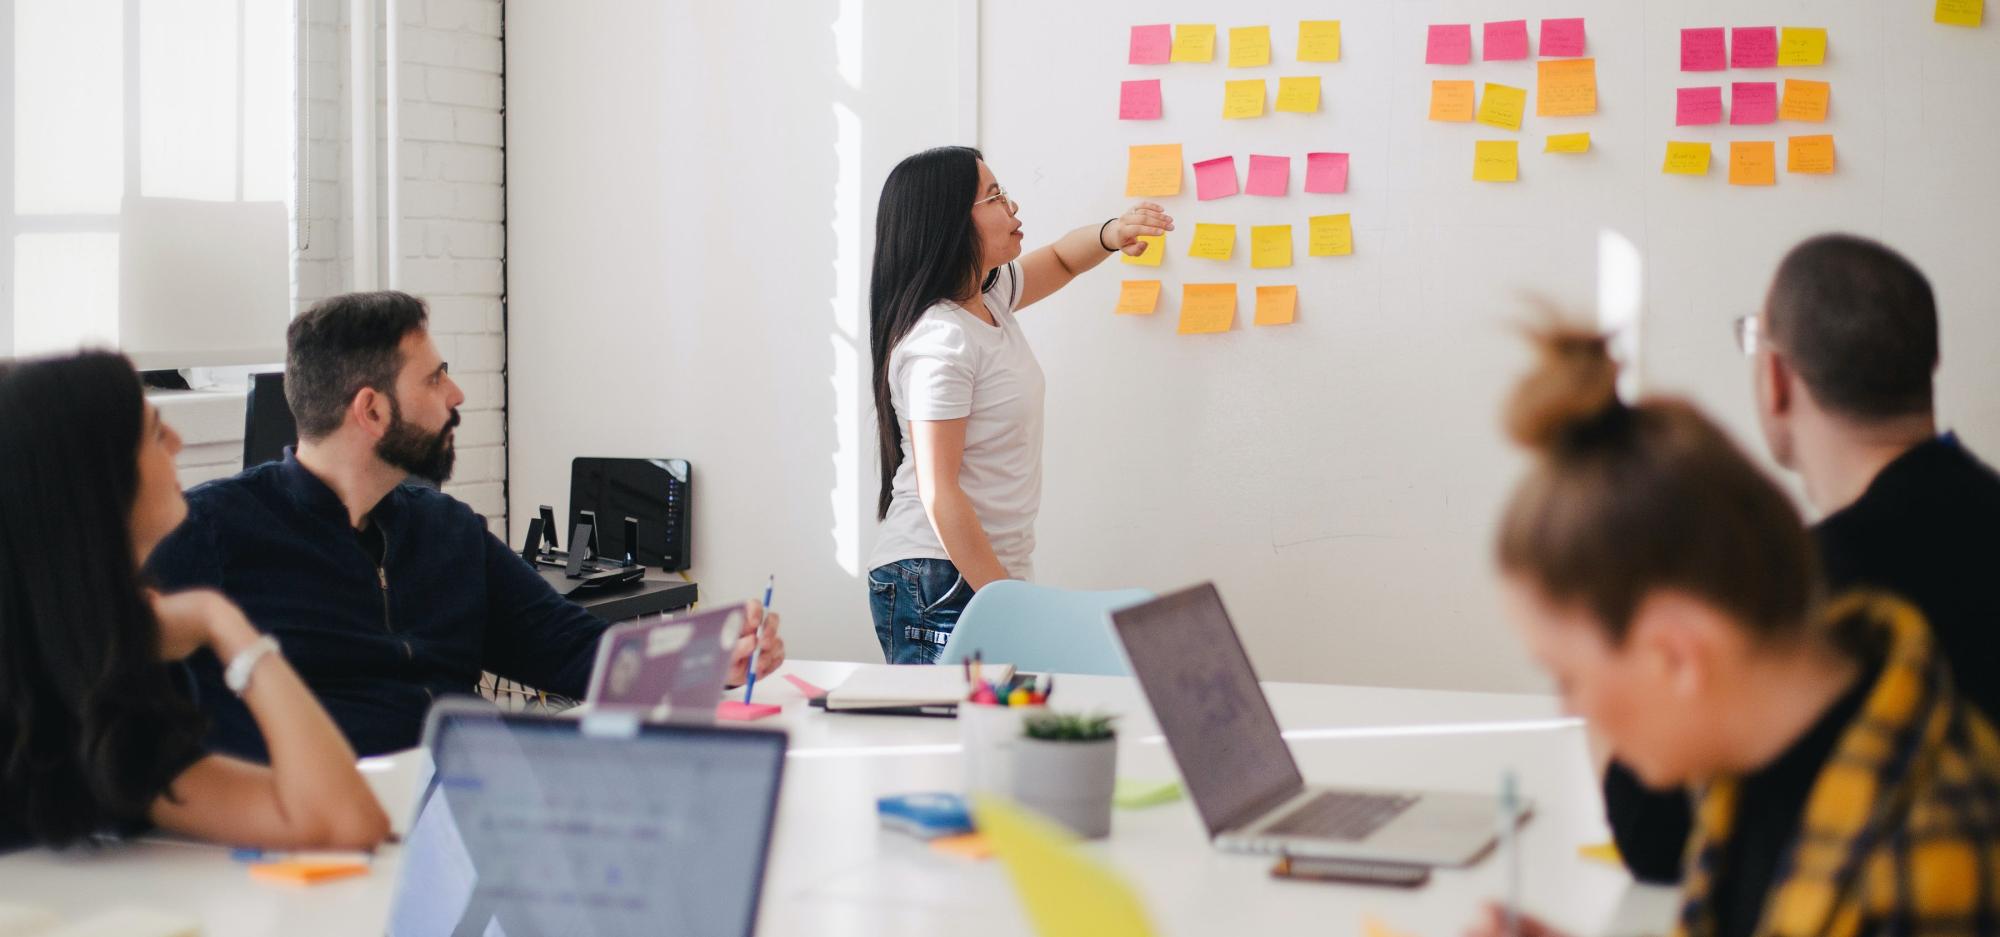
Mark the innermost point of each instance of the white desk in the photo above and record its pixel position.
(835, 872)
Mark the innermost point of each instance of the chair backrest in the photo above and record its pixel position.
(267, 420)
(1045, 630)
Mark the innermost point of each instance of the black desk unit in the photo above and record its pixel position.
(658, 592)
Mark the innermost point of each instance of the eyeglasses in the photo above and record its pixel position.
(1749, 335)
(1000, 195)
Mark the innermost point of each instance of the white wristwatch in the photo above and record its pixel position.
(237, 675)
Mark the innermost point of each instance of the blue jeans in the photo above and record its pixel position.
(915, 604)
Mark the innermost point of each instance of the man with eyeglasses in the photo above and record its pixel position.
(1844, 351)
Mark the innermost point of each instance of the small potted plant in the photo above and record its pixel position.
(1066, 767)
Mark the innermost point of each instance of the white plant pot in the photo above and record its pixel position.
(1068, 782)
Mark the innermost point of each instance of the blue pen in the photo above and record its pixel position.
(756, 640)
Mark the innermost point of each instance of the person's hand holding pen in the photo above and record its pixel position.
(760, 639)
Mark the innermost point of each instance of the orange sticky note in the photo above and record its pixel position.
(1451, 100)
(1753, 162)
(1153, 170)
(1565, 87)
(1155, 252)
(1501, 106)
(965, 846)
(1372, 926)
(1810, 155)
(1138, 297)
(1960, 12)
(306, 872)
(1319, 40)
(1686, 159)
(1329, 235)
(1496, 161)
(1194, 42)
(1277, 305)
(1207, 307)
(1804, 100)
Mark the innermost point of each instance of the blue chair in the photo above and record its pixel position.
(1043, 630)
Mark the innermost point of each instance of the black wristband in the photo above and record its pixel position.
(1100, 235)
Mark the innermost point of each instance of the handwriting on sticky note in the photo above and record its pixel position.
(1329, 235)
(1326, 172)
(1567, 143)
(1319, 40)
(1496, 161)
(1805, 100)
(1697, 106)
(1249, 46)
(1243, 98)
(1151, 45)
(1506, 41)
(1213, 241)
(1270, 246)
(1153, 170)
(1277, 305)
(1960, 12)
(1802, 45)
(1138, 297)
(1753, 162)
(1270, 175)
(1502, 106)
(1298, 95)
(1194, 42)
(1566, 87)
(1563, 38)
(1139, 100)
(1155, 252)
(1215, 178)
(1452, 100)
(1753, 47)
(1810, 155)
(1449, 44)
(1702, 50)
(1753, 102)
(1686, 159)
(1207, 307)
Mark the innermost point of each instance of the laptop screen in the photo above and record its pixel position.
(1191, 664)
(531, 826)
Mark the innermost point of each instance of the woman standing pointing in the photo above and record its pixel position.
(958, 394)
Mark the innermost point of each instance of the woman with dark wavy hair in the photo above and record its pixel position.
(96, 738)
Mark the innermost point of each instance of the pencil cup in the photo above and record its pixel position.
(1068, 781)
(990, 735)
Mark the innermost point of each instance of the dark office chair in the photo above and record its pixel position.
(267, 420)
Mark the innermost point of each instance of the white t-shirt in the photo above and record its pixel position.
(953, 365)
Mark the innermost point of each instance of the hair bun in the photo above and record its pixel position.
(1573, 387)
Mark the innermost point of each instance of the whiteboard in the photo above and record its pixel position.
(1340, 477)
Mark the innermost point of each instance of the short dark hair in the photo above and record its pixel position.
(1856, 320)
(341, 345)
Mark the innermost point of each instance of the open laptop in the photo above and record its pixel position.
(669, 669)
(606, 826)
(1241, 776)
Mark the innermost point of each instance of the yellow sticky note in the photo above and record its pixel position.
(1606, 853)
(1686, 159)
(1065, 892)
(1299, 95)
(1804, 100)
(1249, 46)
(1153, 170)
(1213, 241)
(1451, 100)
(1801, 45)
(1811, 155)
(1372, 926)
(1319, 40)
(1567, 143)
(1753, 162)
(1565, 87)
(1207, 307)
(1329, 236)
(1138, 297)
(1496, 161)
(1194, 42)
(1243, 98)
(1270, 246)
(1955, 12)
(1156, 251)
(1501, 106)
(1277, 305)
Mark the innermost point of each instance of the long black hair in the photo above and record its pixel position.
(926, 251)
(91, 725)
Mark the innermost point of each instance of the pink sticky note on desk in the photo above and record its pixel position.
(1753, 47)
(1753, 102)
(1698, 106)
(1449, 44)
(736, 710)
(1269, 175)
(804, 686)
(1563, 38)
(1139, 100)
(1326, 172)
(1215, 178)
(1151, 45)
(1506, 41)
(1704, 50)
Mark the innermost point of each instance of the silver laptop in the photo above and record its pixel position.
(1241, 776)
(668, 669)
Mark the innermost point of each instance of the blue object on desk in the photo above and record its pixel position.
(925, 816)
(1042, 629)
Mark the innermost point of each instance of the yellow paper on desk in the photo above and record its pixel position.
(1156, 251)
(1066, 893)
(1319, 40)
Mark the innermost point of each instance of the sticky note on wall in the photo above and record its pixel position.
(1213, 241)
(1805, 100)
(1215, 178)
(1449, 44)
(1496, 161)
(1153, 170)
(1452, 100)
(1563, 37)
(1298, 95)
(1319, 40)
(1155, 252)
(1753, 47)
(1329, 236)
(1753, 162)
(1138, 297)
(1249, 46)
(1194, 42)
(1139, 100)
(1703, 50)
(1960, 12)
(1802, 45)
(1270, 246)
(1151, 45)
(1753, 102)
(1567, 143)
(1277, 305)
(1697, 106)
(1270, 175)
(1686, 159)
(1243, 98)
(1505, 41)
(1501, 106)
(1566, 88)
(1207, 307)
(1810, 155)
(1326, 172)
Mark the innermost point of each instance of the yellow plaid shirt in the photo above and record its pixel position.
(1901, 833)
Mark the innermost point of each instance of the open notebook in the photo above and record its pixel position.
(908, 686)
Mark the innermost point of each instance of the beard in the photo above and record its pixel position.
(407, 446)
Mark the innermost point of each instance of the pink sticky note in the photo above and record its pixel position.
(1562, 38)
(1753, 47)
(1139, 100)
(1753, 102)
(1215, 178)
(1270, 175)
(1699, 106)
(1326, 172)
(1449, 45)
(736, 710)
(1505, 41)
(1152, 45)
(1702, 50)
(811, 691)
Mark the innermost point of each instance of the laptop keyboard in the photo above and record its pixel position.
(1343, 815)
